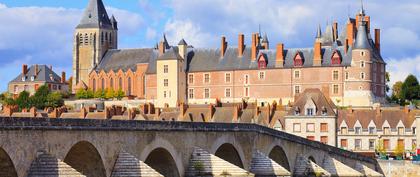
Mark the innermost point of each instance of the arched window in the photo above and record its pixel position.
(106, 36)
(91, 39)
(111, 83)
(102, 38)
(120, 83)
(336, 58)
(80, 39)
(110, 38)
(129, 86)
(298, 60)
(102, 83)
(94, 85)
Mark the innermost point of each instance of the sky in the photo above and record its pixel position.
(40, 31)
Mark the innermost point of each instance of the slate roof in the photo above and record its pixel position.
(365, 116)
(43, 75)
(319, 99)
(95, 16)
(125, 59)
(362, 41)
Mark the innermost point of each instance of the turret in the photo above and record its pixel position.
(265, 44)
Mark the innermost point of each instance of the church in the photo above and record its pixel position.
(345, 65)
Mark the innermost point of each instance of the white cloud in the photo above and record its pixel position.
(2, 6)
(128, 22)
(193, 35)
(399, 69)
(151, 33)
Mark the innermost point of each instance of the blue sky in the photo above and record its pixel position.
(40, 31)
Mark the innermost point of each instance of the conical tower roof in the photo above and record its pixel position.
(95, 16)
(362, 41)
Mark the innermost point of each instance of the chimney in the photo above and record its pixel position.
(280, 55)
(367, 20)
(350, 33)
(346, 46)
(161, 48)
(317, 54)
(254, 47)
(378, 40)
(36, 69)
(335, 30)
(63, 77)
(24, 69)
(223, 47)
(241, 45)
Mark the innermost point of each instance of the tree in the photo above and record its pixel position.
(54, 100)
(396, 89)
(387, 79)
(70, 84)
(380, 148)
(119, 94)
(410, 88)
(99, 94)
(399, 150)
(109, 93)
(23, 100)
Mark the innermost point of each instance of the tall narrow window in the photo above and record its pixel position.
(190, 78)
(207, 78)
(111, 83)
(165, 68)
(191, 93)
(362, 64)
(94, 85)
(297, 74)
(347, 75)
(335, 89)
(86, 39)
(165, 82)
(227, 77)
(103, 84)
(246, 92)
(227, 92)
(335, 75)
(129, 86)
(102, 38)
(343, 143)
(297, 89)
(261, 75)
(206, 93)
(80, 39)
(120, 84)
(357, 144)
(362, 75)
(246, 79)
(324, 127)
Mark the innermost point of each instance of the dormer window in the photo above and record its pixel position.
(262, 63)
(297, 111)
(32, 78)
(310, 111)
(324, 111)
(23, 78)
(310, 108)
(298, 60)
(51, 77)
(336, 58)
(357, 130)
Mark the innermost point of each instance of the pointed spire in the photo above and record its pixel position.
(265, 38)
(362, 10)
(319, 33)
(362, 41)
(165, 42)
(95, 16)
(182, 42)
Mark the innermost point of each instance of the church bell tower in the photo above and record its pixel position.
(95, 34)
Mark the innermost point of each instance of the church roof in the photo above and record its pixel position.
(95, 16)
(125, 59)
(43, 75)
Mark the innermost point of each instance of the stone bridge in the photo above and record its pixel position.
(103, 148)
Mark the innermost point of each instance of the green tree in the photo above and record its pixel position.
(99, 94)
(109, 94)
(81, 94)
(119, 94)
(380, 148)
(410, 88)
(54, 100)
(399, 150)
(23, 100)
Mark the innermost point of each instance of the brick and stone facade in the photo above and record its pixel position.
(347, 67)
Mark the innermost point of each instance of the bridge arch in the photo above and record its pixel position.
(226, 148)
(278, 155)
(162, 156)
(85, 158)
(7, 168)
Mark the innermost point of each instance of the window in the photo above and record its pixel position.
(400, 130)
(324, 139)
(362, 64)
(347, 75)
(207, 78)
(400, 143)
(414, 130)
(102, 38)
(227, 77)
(191, 93)
(102, 83)
(371, 130)
(32, 78)
(165, 69)
(312, 138)
(386, 131)
(190, 78)
(386, 144)
(94, 85)
(206, 93)
(261, 75)
(227, 92)
(310, 111)
(59, 87)
(297, 74)
(357, 144)
(343, 143)
(246, 79)
(324, 127)
(165, 82)
(362, 75)
(120, 83)
(86, 39)
(357, 130)
(246, 90)
(164, 94)
(298, 61)
(371, 144)
(296, 127)
(15, 89)
(336, 59)
(335, 75)
(343, 130)
(111, 83)
(297, 89)
(80, 39)
(23, 78)
(335, 89)
(310, 127)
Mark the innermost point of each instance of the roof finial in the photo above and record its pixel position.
(319, 33)
(362, 10)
